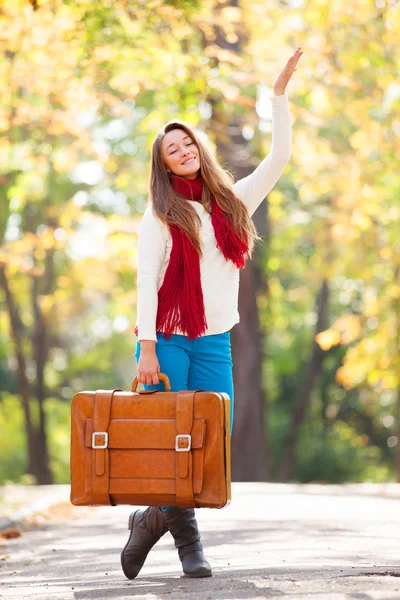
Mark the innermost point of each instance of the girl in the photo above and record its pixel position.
(194, 238)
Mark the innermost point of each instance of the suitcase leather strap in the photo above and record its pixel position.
(184, 457)
(100, 462)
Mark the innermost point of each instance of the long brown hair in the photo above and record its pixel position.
(171, 208)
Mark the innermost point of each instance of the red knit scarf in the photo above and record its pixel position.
(180, 298)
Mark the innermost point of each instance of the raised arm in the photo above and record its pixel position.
(253, 188)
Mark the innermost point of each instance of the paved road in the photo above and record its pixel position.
(273, 541)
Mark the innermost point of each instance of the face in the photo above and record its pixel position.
(180, 154)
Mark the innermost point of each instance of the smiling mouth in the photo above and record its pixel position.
(189, 160)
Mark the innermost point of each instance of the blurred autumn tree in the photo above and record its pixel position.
(86, 86)
(344, 181)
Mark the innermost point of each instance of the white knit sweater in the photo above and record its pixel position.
(219, 277)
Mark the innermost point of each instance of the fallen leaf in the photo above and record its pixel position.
(9, 533)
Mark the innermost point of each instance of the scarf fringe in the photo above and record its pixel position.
(228, 241)
(180, 298)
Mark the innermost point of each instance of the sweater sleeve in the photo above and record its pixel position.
(151, 251)
(253, 188)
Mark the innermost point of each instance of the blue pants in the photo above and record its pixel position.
(204, 363)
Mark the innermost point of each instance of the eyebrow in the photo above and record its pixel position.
(173, 143)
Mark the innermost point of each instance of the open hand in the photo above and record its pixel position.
(284, 78)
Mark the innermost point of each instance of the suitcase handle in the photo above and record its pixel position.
(161, 376)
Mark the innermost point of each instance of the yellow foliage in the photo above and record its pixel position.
(276, 197)
(385, 253)
(339, 231)
(395, 291)
(374, 377)
(224, 55)
(343, 379)
(361, 220)
(328, 338)
(122, 180)
(111, 166)
(390, 380)
(231, 14)
(349, 328)
(230, 92)
(64, 159)
(343, 170)
(46, 304)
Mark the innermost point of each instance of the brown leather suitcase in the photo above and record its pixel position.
(150, 447)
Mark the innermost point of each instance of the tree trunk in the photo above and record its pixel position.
(16, 336)
(303, 398)
(40, 353)
(250, 456)
(38, 463)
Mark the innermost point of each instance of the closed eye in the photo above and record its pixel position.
(190, 144)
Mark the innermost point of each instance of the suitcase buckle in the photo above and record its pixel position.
(96, 446)
(183, 436)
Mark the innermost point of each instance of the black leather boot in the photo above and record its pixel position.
(146, 527)
(183, 526)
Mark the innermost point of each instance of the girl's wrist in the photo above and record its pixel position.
(147, 346)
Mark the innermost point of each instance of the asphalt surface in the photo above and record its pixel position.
(273, 541)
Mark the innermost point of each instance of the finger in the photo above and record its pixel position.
(296, 55)
(297, 58)
(294, 60)
(291, 64)
(149, 379)
(293, 67)
(155, 380)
